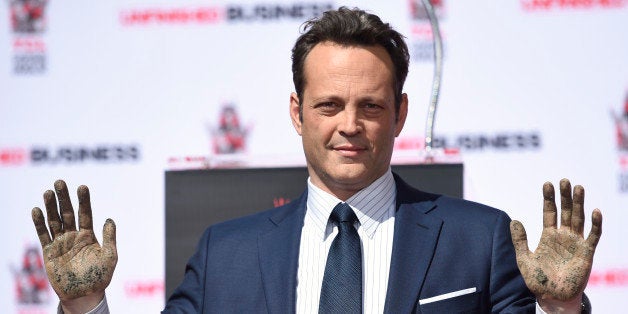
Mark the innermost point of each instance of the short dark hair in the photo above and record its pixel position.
(350, 27)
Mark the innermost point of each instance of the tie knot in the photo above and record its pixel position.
(343, 213)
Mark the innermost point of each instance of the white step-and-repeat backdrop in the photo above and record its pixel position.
(113, 93)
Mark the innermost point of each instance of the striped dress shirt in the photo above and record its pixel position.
(375, 208)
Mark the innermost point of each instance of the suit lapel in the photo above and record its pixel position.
(279, 255)
(415, 238)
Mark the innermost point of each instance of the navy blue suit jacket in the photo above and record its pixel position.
(441, 244)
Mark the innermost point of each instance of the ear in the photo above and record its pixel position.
(403, 113)
(295, 112)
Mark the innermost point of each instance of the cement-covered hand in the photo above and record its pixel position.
(79, 268)
(558, 270)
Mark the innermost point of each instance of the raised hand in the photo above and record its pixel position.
(558, 270)
(78, 267)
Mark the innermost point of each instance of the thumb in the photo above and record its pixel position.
(519, 239)
(109, 237)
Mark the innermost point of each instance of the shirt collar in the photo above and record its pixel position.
(372, 205)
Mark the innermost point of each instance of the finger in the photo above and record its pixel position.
(85, 208)
(577, 215)
(549, 206)
(519, 240)
(54, 221)
(40, 226)
(109, 237)
(566, 204)
(596, 228)
(65, 206)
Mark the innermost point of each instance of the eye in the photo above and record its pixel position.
(328, 104)
(372, 107)
(327, 107)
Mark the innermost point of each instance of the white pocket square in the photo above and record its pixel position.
(447, 296)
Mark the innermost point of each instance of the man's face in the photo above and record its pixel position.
(349, 122)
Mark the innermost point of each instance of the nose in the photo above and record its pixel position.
(349, 125)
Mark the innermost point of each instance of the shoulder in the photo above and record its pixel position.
(461, 208)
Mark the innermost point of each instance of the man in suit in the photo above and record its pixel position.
(416, 252)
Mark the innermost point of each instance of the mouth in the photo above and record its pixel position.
(349, 150)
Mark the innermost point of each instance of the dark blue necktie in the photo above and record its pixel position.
(342, 283)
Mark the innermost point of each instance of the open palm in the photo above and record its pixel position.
(76, 264)
(560, 266)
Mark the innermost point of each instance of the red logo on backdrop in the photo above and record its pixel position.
(28, 22)
(228, 142)
(30, 279)
(229, 137)
(548, 5)
(27, 16)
